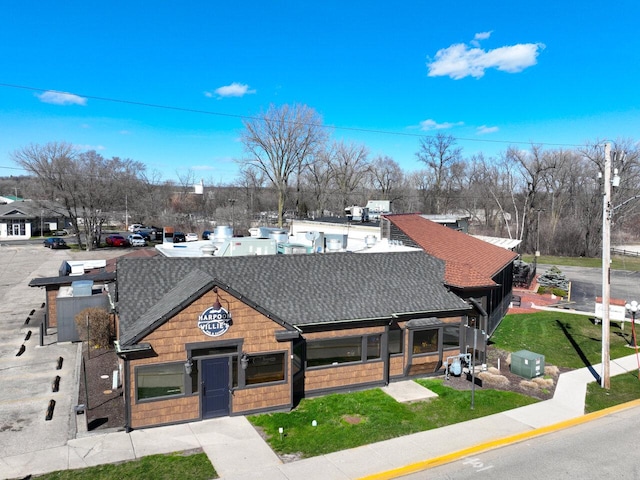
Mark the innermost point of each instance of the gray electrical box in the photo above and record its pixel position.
(527, 364)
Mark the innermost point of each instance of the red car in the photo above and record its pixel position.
(116, 241)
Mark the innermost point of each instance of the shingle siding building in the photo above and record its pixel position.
(206, 337)
(474, 268)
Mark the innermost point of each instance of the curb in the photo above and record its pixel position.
(500, 442)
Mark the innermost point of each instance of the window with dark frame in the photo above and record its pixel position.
(396, 343)
(450, 337)
(265, 368)
(334, 351)
(425, 341)
(157, 381)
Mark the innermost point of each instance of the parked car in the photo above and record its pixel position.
(116, 241)
(146, 234)
(191, 237)
(207, 235)
(134, 227)
(179, 237)
(55, 243)
(136, 240)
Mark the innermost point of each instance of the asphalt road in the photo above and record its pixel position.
(605, 448)
(586, 285)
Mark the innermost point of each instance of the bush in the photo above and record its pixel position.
(99, 327)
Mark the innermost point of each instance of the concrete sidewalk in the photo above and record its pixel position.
(238, 452)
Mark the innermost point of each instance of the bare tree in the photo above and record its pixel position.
(439, 154)
(349, 166)
(318, 178)
(281, 143)
(86, 184)
(386, 176)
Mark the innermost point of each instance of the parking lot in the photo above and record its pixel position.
(33, 415)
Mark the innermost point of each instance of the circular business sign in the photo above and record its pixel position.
(214, 321)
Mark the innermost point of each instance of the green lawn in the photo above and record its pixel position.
(154, 467)
(617, 262)
(624, 388)
(565, 339)
(353, 419)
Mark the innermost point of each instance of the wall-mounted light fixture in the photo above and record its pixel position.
(244, 361)
(188, 366)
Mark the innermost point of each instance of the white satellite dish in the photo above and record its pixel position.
(312, 236)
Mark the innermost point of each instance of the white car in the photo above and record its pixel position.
(136, 240)
(135, 227)
(191, 237)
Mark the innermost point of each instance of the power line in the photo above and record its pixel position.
(250, 117)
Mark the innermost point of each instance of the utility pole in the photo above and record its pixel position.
(606, 267)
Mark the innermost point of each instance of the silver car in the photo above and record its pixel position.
(136, 240)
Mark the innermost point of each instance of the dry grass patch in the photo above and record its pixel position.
(493, 379)
(551, 370)
(543, 382)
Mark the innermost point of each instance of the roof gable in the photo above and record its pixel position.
(470, 262)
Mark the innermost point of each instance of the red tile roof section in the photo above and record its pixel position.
(469, 262)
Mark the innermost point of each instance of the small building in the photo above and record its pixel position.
(207, 337)
(21, 219)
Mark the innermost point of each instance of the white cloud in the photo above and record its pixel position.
(460, 60)
(233, 90)
(61, 98)
(201, 168)
(480, 36)
(86, 148)
(484, 130)
(433, 125)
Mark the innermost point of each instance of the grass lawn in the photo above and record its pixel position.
(624, 388)
(353, 419)
(565, 339)
(618, 262)
(154, 467)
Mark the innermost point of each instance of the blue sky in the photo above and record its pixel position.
(492, 74)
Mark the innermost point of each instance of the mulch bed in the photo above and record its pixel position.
(104, 405)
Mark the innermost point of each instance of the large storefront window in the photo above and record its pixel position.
(450, 337)
(153, 381)
(425, 341)
(265, 368)
(334, 351)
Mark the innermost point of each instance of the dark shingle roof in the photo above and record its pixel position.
(470, 262)
(295, 289)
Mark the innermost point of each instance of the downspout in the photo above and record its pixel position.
(127, 396)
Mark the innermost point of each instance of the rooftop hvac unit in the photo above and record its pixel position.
(222, 232)
(370, 240)
(334, 245)
(280, 236)
(527, 364)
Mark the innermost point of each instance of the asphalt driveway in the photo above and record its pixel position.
(27, 375)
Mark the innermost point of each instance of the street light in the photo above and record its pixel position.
(633, 307)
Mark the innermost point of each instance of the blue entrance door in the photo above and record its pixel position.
(215, 387)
